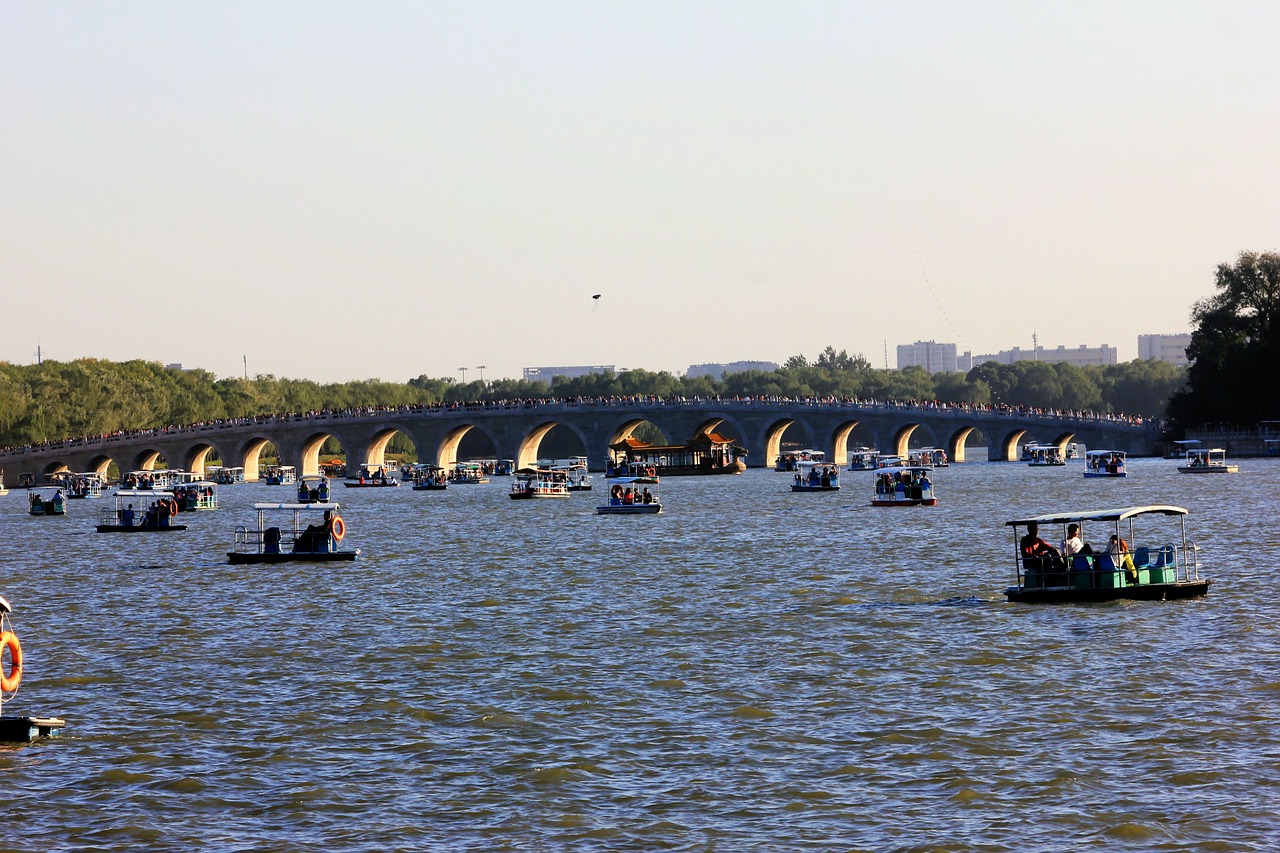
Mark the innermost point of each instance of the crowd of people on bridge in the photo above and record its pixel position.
(623, 400)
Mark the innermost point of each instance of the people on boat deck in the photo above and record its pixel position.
(1120, 556)
(316, 537)
(1074, 543)
(629, 496)
(646, 496)
(1037, 553)
(925, 484)
(126, 516)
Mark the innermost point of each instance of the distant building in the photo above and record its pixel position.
(718, 371)
(932, 356)
(1081, 356)
(1170, 348)
(546, 374)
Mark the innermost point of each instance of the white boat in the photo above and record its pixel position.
(1043, 455)
(790, 461)
(1073, 451)
(307, 532)
(539, 483)
(85, 485)
(201, 495)
(1099, 464)
(579, 479)
(280, 475)
(140, 511)
(632, 496)
(428, 478)
(3, 490)
(313, 488)
(1111, 569)
(228, 476)
(1178, 449)
(40, 505)
(905, 485)
(467, 474)
(816, 477)
(864, 459)
(1211, 461)
(934, 457)
(371, 475)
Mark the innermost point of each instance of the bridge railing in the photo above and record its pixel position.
(444, 410)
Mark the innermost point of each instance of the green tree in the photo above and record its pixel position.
(1235, 351)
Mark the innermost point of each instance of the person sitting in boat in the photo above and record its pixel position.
(646, 496)
(316, 538)
(1037, 554)
(1118, 549)
(925, 485)
(628, 497)
(1075, 545)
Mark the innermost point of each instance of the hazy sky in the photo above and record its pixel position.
(351, 190)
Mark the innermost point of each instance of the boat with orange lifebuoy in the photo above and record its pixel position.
(14, 728)
(632, 496)
(140, 511)
(306, 532)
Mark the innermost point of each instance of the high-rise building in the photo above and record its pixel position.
(931, 355)
(718, 371)
(1170, 348)
(1081, 356)
(546, 374)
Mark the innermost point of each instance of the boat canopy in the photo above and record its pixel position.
(315, 507)
(904, 469)
(143, 493)
(1104, 453)
(1098, 515)
(623, 481)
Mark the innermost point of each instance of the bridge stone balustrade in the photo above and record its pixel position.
(517, 429)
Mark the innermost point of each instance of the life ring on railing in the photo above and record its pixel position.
(651, 471)
(10, 682)
(173, 507)
(339, 528)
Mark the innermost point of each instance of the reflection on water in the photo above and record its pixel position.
(752, 670)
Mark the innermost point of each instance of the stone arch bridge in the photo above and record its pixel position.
(516, 430)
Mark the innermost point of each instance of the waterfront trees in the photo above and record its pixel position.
(1235, 347)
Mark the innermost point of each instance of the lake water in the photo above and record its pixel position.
(751, 670)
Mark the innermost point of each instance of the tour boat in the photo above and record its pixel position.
(579, 479)
(153, 513)
(428, 478)
(539, 483)
(280, 475)
(1212, 461)
(201, 495)
(467, 474)
(3, 490)
(1104, 463)
(790, 461)
(1041, 455)
(864, 459)
(313, 488)
(1073, 451)
(1123, 570)
(632, 496)
(372, 476)
(504, 467)
(708, 453)
(40, 505)
(228, 476)
(306, 532)
(816, 477)
(933, 457)
(905, 485)
(80, 486)
(1178, 449)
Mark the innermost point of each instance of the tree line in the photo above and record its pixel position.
(89, 397)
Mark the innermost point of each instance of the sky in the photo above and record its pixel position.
(337, 191)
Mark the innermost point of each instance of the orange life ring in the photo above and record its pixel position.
(10, 682)
(339, 528)
(173, 507)
(651, 471)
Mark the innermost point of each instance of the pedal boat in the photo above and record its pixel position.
(300, 537)
(1161, 572)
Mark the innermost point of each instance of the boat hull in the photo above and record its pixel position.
(796, 488)
(389, 484)
(1138, 592)
(907, 502)
(1209, 469)
(236, 558)
(1094, 475)
(630, 509)
(525, 496)
(429, 488)
(138, 528)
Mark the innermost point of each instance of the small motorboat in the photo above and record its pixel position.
(40, 505)
(14, 728)
(1103, 464)
(904, 485)
(816, 476)
(539, 483)
(1211, 461)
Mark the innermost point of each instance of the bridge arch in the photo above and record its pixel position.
(528, 444)
(448, 452)
(771, 438)
(195, 456)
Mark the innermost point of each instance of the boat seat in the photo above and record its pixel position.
(1142, 557)
(1081, 563)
